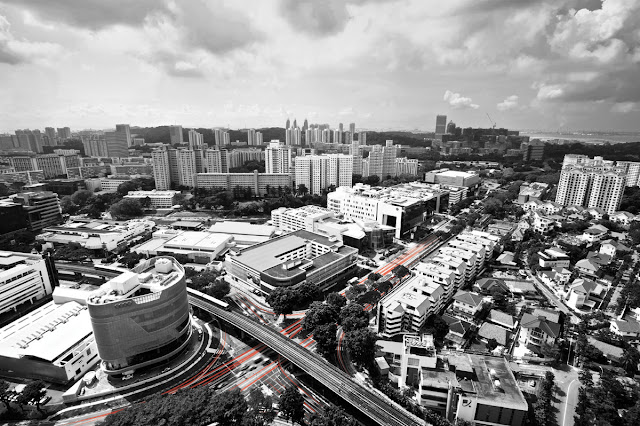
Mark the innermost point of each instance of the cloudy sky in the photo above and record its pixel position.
(534, 64)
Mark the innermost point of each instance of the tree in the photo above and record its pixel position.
(282, 300)
(400, 271)
(325, 337)
(82, 197)
(5, 393)
(292, 405)
(336, 299)
(68, 206)
(355, 290)
(125, 187)
(219, 289)
(332, 416)
(130, 259)
(261, 410)
(374, 276)
(203, 279)
(230, 407)
(629, 360)
(302, 189)
(33, 393)
(126, 208)
(492, 344)
(319, 314)
(361, 344)
(145, 202)
(353, 317)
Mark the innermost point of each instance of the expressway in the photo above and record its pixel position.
(86, 269)
(377, 407)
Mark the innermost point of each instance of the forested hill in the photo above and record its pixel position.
(629, 151)
(161, 134)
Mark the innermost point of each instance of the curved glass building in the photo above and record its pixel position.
(141, 318)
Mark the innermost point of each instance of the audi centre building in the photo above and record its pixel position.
(141, 317)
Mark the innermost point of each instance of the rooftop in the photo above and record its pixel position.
(242, 228)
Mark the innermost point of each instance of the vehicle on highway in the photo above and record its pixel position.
(200, 334)
(166, 369)
(127, 376)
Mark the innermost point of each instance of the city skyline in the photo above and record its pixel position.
(385, 65)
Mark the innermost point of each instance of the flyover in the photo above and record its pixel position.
(373, 404)
(86, 269)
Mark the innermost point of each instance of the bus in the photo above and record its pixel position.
(219, 303)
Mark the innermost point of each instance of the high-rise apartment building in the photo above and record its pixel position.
(532, 150)
(591, 183)
(216, 161)
(405, 166)
(186, 167)
(117, 143)
(362, 138)
(389, 155)
(287, 124)
(259, 140)
(340, 170)
(251, 137)
(441, 124)
(175, 134)
(311, 171)
(221, 137)
(352, 130)
(277, 158)
(30, 140)
(293, 136)
(161, 169)
(50, 133)
(95, 147)
(337, 136)
(196, 140)
(64, 133)
(633, 172)
(126, 130)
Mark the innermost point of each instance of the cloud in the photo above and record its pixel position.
(626, 107)
(457, 101)
(510, 103)
(316, 18)
(14, 51)
(93, 14)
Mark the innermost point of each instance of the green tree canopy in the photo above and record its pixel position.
(292, 405)
(353, 317)
(361, 344)
(126, 208)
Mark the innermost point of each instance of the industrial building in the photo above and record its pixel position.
(141, 318)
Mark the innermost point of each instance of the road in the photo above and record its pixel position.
(375, 406)
(568, 405)
(550, 296)
(85, 269)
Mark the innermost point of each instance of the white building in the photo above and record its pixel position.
(305, 217)
(158, 199)
(23, 278)
(406, 166)
(277, 158)
(161, 169)
(198, 246)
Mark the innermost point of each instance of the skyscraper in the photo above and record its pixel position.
(288, 124)
(161, 169)
(64, 133)
(186, 167)
(251, 137)
(305, 126)
(352, 129)
(277, 158)
(451, 128)
(591, 183)
(441, 124)
(311, 171)
(295, 123)
(362, 138)
(175, 133)
(221, 137)
(127, 131)
(340, 170)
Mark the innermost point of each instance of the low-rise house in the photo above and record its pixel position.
(613, 248)
(547, 207)
(542, 224)
(506, 258)
(467, 303)
(612, 353)
(622, 217)
(501, 228)
(518, 234)
(588, 267)
(490, 331)
(553, 257)
(458, 331)
(596, 212)
(629, 330)
(594, 233)
(502, 319)
(562, 275)
(551, 315)
(489, 285)
(585, 294)
(538, 330)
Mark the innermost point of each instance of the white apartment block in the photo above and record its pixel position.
(591, 183)
(215, 161)
(633, 172)
(405, 166)
(161, 169)
(195, 139)
(340, 171)
(277, 158)
(186, 167)
(23, 278)
(158, 199)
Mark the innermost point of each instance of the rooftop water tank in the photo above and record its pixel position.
(163, 266)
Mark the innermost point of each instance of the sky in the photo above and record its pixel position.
(383, 64)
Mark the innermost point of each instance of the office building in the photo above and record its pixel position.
(125, 129)
(64, 133)
(402, 207)
(256, 183)
(290, 260)
(50, 134)
(591, 183)
(24, 278)
(111, 183)
(42, 208)
(277, 158)
(532, 150)
(305, 217)
(441, 124)
(141, 318)
(175, 135)
(157, 199)
(196, 140)
(99, 236)
(54, 343)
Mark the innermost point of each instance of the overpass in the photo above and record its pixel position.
(85, 269)
(373, 404)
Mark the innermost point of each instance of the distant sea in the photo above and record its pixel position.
(585, 137)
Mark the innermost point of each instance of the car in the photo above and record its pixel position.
(166, 369)
(127, 377)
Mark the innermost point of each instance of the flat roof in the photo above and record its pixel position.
(454, 173)
(488, 370)
(242, 228)
(47, 332)
(264, 256)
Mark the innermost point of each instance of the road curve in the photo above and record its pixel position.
(375, 406)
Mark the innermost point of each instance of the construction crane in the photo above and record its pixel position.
(492, 122)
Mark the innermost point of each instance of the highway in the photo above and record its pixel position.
(85, 269)
(377, 407)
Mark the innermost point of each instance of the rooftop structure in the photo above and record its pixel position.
(291, 259)
(94, 234)
(141, 317)
(53, 343)
(198, 246)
